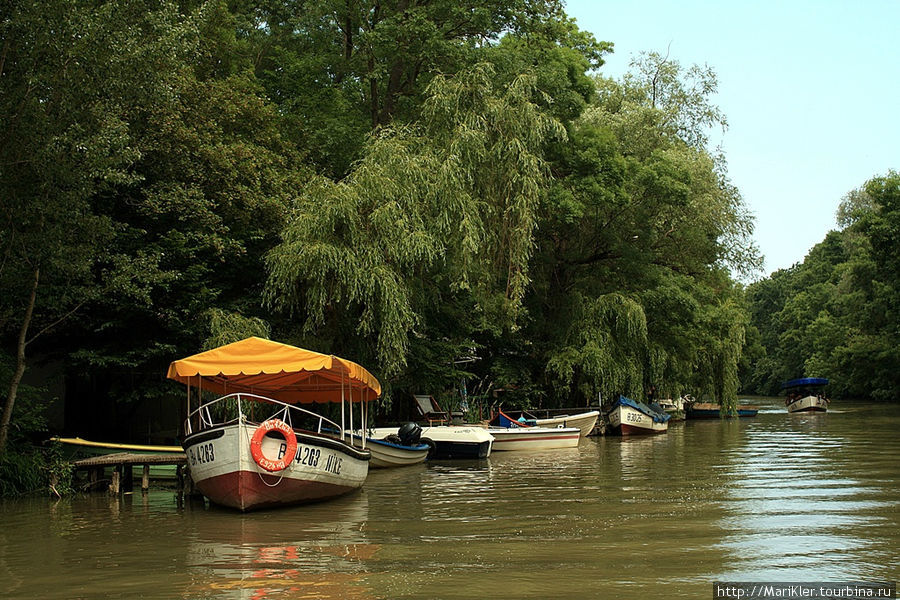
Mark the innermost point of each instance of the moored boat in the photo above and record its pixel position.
(673, 407)
(400, 449)
(449, 441)
(534, 438)
(253, 447)
(630, 417)
(806, 395)
(585, 422)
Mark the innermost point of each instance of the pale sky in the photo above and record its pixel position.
(810, 88)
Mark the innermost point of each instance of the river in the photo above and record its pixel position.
(777, 497)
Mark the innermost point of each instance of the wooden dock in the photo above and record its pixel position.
(123, 464)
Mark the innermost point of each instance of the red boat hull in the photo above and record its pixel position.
(248, 490)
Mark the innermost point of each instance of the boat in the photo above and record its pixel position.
(631, 417)
(585, 422)
(519, 434)
(534, 438)
(448, 441)
(709, 410)
(806, 395)
(251, 445)
(399, 449)
(674, 408)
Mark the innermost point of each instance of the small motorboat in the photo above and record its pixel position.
(806, 395)
(448, 441)
(631, 417)
(399, 449)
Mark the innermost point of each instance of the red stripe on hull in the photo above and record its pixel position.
(246, 490)
(632, 430)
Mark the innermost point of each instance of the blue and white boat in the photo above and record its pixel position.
(448, 441)
(806, 395)
(631, 417)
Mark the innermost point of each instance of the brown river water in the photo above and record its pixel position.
(808, 498)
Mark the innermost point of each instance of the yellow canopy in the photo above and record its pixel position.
(278, 371)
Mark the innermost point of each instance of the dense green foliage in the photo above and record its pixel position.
(836, 314)
(444, 191)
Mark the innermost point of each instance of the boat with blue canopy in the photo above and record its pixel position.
(806, 395)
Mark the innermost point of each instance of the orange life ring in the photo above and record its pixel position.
(273, 466)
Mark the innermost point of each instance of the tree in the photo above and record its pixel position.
(70, 74)
(835, 314)
(641, 211)
(451, 199)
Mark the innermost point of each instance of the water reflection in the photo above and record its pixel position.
(317, 551)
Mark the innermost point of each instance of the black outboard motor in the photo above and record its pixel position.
(410, 434)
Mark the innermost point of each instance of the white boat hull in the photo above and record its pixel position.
(449, 441)
(387, 455)
(534, 438)
(224, 471)
(630, 421)
(585, 422)
(808, 404)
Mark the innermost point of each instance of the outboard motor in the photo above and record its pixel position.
(410, 434)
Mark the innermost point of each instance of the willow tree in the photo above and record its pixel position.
(641, 209)
(605, 349)
(450, 201)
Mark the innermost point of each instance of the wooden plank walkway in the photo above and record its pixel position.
(123, 464)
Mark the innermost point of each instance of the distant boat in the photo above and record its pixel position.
(449, 441)
(673, 407)
(630, 417)
(805, 395)
(709, 410)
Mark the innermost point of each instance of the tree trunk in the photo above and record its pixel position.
(20, 365)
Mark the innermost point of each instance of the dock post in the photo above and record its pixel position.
(145, 479)
(116, 478)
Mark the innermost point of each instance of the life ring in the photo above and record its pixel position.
(273, 466)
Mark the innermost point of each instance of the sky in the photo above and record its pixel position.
(810, 89)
